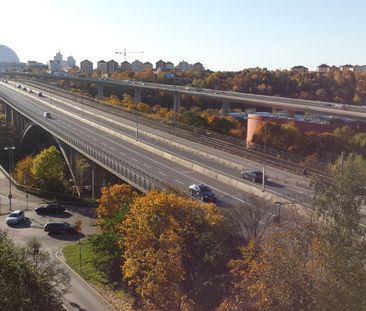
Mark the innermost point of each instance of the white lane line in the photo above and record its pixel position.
(104, 144)
(122, 153)
(161, 173)
(113, 148)
(134, 159)
(179, 181)
(147, 165)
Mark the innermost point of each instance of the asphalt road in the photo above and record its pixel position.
(80, 296)
(286, 185)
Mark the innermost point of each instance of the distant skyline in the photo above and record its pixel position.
(223, 35)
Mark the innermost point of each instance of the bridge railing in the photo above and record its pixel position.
(122, 168)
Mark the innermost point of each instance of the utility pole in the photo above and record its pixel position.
(10, 149)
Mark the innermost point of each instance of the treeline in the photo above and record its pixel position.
(347, 88)
(172, 253)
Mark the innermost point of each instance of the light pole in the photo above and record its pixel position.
(10, 149)
(265, 158)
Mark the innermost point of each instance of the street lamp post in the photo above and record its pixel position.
(10, 149)
(265, 158)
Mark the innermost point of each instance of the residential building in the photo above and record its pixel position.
(169, 65)
(102, 66)
(198, 67)
(112, 66)
(299, 68)
(147, 66)
(358, 68)
(333, 68)
(71, 61)
(58, 57)
(86, 66)
(190, 67)
(126, 66)
(54, 66)
(346, 68)
(183, 66)
(160, 64)
(323, 68)
(35, 64)
(137, 66)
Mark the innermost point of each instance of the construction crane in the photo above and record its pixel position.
(125, 52)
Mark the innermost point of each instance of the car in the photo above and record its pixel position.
(30, 91)
(59, 227)
(202, 192)
(15, 217)
(51, 208)
(256, 176)
(39, 94)
(47, 114)
(24, 88)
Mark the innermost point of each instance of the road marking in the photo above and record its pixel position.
(122, 153)
(161, 173)
(134, 159)
(179, 181)
(113, 148)
(147, 165)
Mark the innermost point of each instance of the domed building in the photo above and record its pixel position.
(9, 60)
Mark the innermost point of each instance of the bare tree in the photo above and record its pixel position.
(252, 218)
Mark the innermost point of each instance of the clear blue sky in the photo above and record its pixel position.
(223, 35)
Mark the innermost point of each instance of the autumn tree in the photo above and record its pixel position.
(48, 169)
(23, 172)
(175, 252)
(309, 264)
(112, 209)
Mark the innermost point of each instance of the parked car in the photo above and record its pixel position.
(59, 227)
(15, 217)
(202, 192)
(52, 208)
(256, 176)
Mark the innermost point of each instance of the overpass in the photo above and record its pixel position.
(226, 97)
(151, 160)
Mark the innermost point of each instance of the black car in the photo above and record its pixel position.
(53, 208)
(202, 192)
(256, 176)
(59, 227)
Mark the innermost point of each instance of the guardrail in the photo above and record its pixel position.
(123, 169)
(234, 145)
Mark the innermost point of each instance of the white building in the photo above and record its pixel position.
(183, 66)
(112, 66)
(358, 68)
(71, 61)
(323, 68)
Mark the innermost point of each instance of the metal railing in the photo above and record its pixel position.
(121, 168)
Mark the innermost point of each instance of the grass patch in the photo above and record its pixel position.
(118, 298)
(84, 267)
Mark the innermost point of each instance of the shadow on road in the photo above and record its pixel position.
(67, 236)
(77, 307)
(26, 223)
(65, 214)
(274, 184)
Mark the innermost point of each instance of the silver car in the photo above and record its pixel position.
(15, 217)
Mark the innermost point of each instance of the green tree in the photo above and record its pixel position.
(113, 207)
(29, 279)
(48, 169)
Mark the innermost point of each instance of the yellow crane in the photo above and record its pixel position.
(125, 52)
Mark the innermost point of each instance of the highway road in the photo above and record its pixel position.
(286, 185)
(311, 106)
(80, 296)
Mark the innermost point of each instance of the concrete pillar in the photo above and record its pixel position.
(9, 118)
(100, 90)
(225, 108)
(137, 97)
(176, 106)
(254, 121)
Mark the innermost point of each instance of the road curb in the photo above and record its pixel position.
(57, 255)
